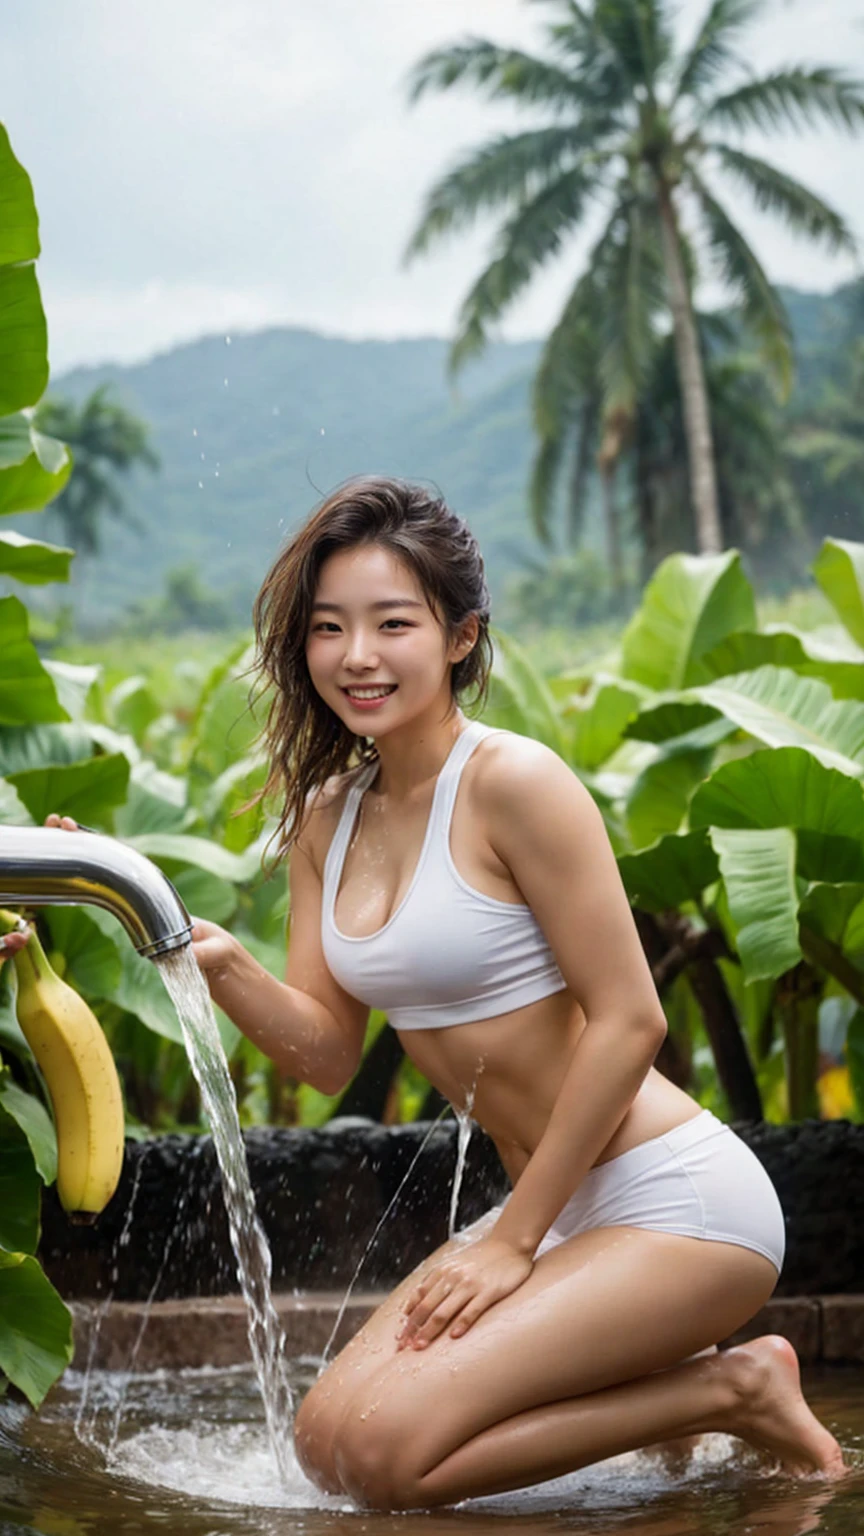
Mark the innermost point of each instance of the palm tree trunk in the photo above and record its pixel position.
(646, 502)
(610, 523)
(694, 394)
(579, 477)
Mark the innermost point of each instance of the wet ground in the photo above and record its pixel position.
(185, 1454)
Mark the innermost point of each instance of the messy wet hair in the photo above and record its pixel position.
(305, 741)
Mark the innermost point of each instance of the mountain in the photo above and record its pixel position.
(251, 433)
(252, 430)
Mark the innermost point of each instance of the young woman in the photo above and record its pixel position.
(460, 878)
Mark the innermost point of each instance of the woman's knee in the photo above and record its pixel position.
(374, 1461)
(314, 1429)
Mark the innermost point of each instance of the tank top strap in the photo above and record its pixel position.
(451, 773)
(339, 842)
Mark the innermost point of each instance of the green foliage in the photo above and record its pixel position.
(107, 440)
(638, 129)
(35, 1327)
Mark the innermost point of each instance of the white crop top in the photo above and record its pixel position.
(448, 954)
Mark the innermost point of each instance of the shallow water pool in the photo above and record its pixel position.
(185, 1454)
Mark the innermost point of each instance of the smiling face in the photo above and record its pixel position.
(376, 652)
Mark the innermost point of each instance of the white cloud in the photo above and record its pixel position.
(217, 164)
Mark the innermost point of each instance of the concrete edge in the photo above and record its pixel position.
(212, 1331)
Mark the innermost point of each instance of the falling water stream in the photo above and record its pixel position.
(463, 1138)
(189, 993)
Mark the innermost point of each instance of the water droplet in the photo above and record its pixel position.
(227, 341)
(194, 431)
(203, 456)
(200, 485)
(322, 432)
(225, 382)
(215, 474)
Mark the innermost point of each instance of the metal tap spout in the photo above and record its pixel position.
(45, 866)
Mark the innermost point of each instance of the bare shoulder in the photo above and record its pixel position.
(324, 806)
(514, 772)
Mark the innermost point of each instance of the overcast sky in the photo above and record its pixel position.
(208, 166)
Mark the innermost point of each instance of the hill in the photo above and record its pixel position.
(251, 433)
(251, 430)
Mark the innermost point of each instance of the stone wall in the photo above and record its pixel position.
(322, 1194)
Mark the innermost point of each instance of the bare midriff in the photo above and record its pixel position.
(515, 1064)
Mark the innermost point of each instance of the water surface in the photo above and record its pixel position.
(192, 1459)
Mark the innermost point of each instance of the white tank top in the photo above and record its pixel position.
(448, 954)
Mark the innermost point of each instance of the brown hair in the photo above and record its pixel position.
(304, 739)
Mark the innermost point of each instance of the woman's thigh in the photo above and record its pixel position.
(607, 1306)
(347, 1377)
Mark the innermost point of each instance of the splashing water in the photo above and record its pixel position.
(85, 1426)
(463, 1137)
(188, 991)
(371, 1243)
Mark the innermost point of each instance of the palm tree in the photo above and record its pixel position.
(105, 439)
(638, 129)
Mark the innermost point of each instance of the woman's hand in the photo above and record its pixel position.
(10, 943)
(460, 1289)
(213, 947)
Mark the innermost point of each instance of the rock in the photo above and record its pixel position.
(322, 1195)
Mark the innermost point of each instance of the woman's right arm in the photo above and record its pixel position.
(309, 1026)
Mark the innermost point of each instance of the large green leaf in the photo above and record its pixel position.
(839, 570)
(156, 802)
(75, 684)
(31, 1117)
(203, 894)
(520, 699)
(836, 912)
(598, 718)
(27, 692)
(674, 871)
(782, 709)
(83, 790)
(31, 561)
(33, 468)
(227, 794)
(225, 726)
(140, 990)
(758, 869)
(133, 705)
(20, 1188)
(41, 744)
(680, 719)
(19, 222)
(164, 847)
(23, 340)
(91, 955)
(12, 812)
(690, 604)
(658, 800)
(840, 666)
(787, 787)
(35, 1327)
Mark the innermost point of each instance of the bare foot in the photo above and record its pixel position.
(771, 1413)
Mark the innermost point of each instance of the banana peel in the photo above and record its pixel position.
(75, 1059)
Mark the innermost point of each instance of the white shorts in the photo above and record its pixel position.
(699, 1180)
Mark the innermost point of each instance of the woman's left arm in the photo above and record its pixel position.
(543, 823)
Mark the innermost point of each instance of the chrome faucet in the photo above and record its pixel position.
(45, 866)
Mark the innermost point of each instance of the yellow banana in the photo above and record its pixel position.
(67, 1041)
